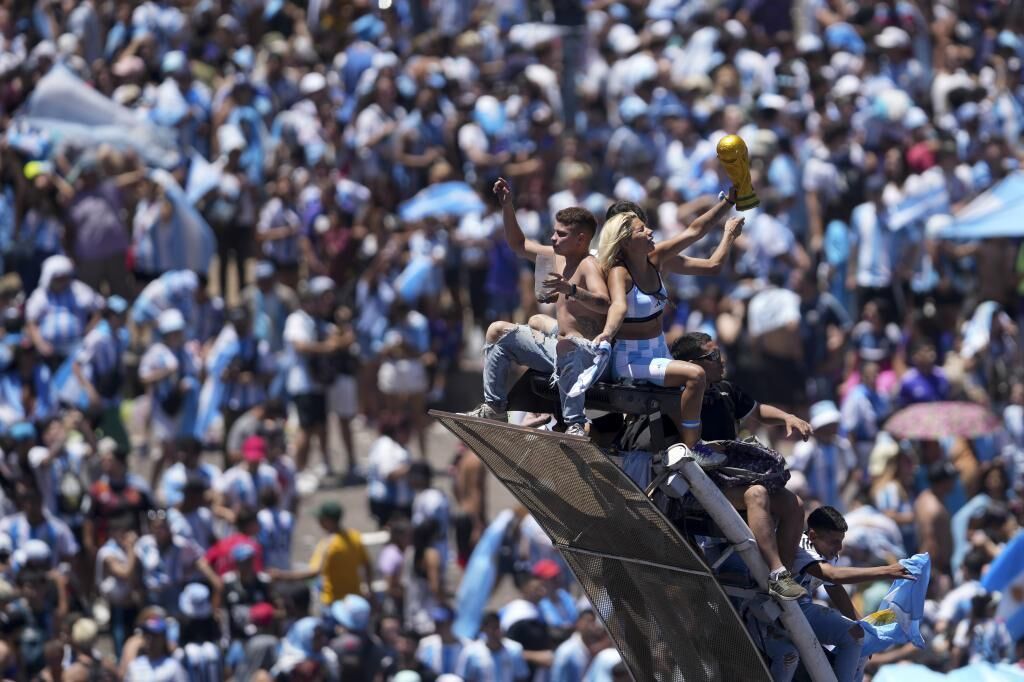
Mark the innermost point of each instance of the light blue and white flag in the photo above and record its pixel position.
(225, 348)
(455, 198)
(195, 243)
(925, 196)
(68, 109)
(992, 214)
(479, 578)
(66, 385)
(1006, 575)
(898, 619)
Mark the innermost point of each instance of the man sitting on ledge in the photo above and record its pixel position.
(724, 406)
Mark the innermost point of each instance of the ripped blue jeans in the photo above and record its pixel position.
(520, 346)
(573, 355)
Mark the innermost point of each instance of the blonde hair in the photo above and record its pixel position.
(615, 231)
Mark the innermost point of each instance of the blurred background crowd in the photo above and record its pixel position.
(246, 244)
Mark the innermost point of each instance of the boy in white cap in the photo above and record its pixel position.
(826, 460)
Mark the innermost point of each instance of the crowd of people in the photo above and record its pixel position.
(342, 156)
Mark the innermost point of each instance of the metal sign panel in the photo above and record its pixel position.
(667, 614)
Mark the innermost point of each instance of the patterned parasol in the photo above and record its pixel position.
(930, 421)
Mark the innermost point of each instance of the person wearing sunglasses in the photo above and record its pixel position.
(726, 405)
(724, 408)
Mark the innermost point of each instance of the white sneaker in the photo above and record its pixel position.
(485, 411)
(576, 430)
(706, 458)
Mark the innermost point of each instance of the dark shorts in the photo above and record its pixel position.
(384, 511)
(312, 409)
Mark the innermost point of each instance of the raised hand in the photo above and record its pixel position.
(734, 226)
(502, 190)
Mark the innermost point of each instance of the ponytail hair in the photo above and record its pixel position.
(614, 233)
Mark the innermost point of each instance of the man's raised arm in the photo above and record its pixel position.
(525, 248)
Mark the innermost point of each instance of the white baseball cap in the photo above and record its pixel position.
(171, 321)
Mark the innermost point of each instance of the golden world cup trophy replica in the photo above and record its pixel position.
(732, 153)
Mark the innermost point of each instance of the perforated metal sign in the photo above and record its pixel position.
(667, 614)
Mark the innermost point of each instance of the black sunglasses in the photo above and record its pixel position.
(713, 356)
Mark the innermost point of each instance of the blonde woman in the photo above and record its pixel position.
(634, 265)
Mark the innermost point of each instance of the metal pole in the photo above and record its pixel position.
(738, 533)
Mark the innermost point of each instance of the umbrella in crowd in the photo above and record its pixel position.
(931, 421)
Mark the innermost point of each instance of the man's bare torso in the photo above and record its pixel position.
(575, 319)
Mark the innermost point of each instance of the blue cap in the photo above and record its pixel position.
(632, 108)
(1008, 39)
(352, 613)
(368, 27)
(843, 36)
(243, 552)
(23, 431)
(442, 614)
(117, 304)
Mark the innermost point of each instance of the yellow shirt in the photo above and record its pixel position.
(339, 558)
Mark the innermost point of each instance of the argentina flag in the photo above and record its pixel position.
(986, 216)
(898, 619)
(1006, 575)
(925, 195)
(67, 109)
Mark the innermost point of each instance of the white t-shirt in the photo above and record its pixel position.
(202, 661)
(166, 669)
(821, 176)
(477, 663)
(114, 590)
(956, 605)
(875, 244)
(805, 556)
(300, 327)
(386, 456)
(472, 137)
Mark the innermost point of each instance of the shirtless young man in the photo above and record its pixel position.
(581, 305)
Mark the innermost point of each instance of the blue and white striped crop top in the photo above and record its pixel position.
(642, 306)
